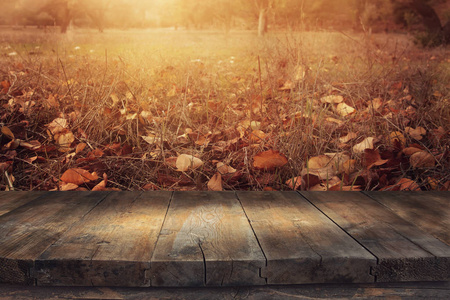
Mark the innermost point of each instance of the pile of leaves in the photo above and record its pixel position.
(63, 128)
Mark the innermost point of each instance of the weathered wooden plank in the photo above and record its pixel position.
(404, 251)
(28, 230)
(206, 240)
(111, 246)
(301, 244)
(12, 200)
(428, 210)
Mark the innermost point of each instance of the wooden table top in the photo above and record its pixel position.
(195, 239)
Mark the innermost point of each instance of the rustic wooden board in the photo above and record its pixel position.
(12, 200)
(428, 210)
(404, 251)
(111, 246)
(206, 240)
(301, 244)
(405, 290)
(30, 229)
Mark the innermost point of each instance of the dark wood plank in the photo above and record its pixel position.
(406, 290)
(111, 246)
(404, 251)
(301, 244)
(12, 200)
(428, 210)
(206, 240)
(30, 229)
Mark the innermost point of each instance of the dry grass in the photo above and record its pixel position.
(214, 86)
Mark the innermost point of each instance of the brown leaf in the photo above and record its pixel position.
(101, 186)
(80, 147)
(269, 160)
(294, 183)
(422, 159)
(417, 133)
(407, 184)
(6, 131)
(372, 158)
(215, 183)
(367, 143)
(78, 176)
(224, 169)
(348, 137)
(410, 150)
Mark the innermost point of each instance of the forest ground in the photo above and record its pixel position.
(199, 110)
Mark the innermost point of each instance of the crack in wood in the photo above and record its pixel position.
(204, 261)
(261, 271)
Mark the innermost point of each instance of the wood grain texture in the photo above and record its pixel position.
(206, 240)
(30, 229)
(111, 246)
(404, 251)
(429, 211)
(301, 244)
(12, 200)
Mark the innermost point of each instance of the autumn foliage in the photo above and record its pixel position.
(338, 117)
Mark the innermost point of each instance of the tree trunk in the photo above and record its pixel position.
(66, 17)
(262, 21)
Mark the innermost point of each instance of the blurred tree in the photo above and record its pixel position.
(437, 33)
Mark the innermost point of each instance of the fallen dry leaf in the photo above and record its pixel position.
(269, 160)
(367, 143)
(332, 99)
(78, 176)
(406, 184)
(6, 131)
(64, 140)
(417, 133)
(397, 136)
(101, 186)
(57, 126)
(185, 162)
(372, 158)
(411, 150)
(224, 169)
(422, 159)
(350, 136)
(344, 110)
(215, 183)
